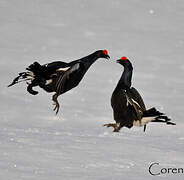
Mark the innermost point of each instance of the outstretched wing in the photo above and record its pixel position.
(55, 73)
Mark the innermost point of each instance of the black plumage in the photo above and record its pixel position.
(128, 106)
(58, 77)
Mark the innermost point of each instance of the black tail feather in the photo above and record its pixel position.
(21, 77)
(151, 112)
(35, 68)
(163, 119)
(34, 73)
(159, 117)
(14, 81)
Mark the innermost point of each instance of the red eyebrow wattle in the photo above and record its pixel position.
(123, 58)
(105, 52)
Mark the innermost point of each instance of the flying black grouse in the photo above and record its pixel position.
(128, 106)
(58, 77)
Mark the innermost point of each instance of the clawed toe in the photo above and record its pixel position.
(110, 125)
(116, 126)
(107, 125)
(56, 108)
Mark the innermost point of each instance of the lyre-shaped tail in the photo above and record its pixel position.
(24, 76)
(153, 115)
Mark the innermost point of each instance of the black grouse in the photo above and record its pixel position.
(128, 106)
(58, 77)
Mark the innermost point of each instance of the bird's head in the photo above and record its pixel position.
(102, 54)
(124, 61)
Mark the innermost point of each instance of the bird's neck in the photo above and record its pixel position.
(89, 60)
(126, 77)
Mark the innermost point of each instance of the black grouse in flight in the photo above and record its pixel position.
(128, 106)
(58, 76)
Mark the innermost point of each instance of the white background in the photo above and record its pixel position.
(37, 145)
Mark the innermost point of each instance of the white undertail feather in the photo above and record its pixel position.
(144, 121)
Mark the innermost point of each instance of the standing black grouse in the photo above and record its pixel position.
(58, 77)
(128, 106)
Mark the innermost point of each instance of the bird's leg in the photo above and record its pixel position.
(116, 126)
(56, 103)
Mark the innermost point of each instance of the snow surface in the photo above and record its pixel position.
(37, 145)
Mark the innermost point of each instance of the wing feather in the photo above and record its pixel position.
(61, 82)
(135, 100)
(137, 97)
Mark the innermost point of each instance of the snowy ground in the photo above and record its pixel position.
(37, 145)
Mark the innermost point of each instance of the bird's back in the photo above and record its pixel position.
(54, 66)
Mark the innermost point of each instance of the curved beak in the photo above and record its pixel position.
(108, 57)
(118, 61)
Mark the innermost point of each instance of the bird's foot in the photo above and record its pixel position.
(56, 108)
(56, 103)
(116, 126)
